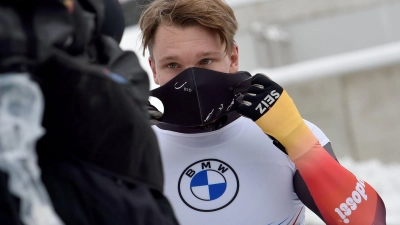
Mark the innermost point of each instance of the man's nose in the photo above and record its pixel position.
(189, 66)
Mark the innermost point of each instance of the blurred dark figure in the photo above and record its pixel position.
(98, 157)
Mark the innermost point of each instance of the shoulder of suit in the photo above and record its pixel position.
(323, 139)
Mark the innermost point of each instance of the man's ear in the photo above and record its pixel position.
(234, 58)
(153, 70)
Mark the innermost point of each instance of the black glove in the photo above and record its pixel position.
(270, 106)
(262, 95)
(154, 113)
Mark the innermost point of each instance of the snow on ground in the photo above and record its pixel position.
(385, 178)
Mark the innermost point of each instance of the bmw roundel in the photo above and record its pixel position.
(208, 185)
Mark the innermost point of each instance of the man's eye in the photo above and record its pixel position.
(206, 61)
(172, 65)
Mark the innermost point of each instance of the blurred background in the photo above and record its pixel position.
(340, 62)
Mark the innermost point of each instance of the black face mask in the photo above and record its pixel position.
(197, 96)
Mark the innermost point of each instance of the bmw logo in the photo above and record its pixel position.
(208, 185)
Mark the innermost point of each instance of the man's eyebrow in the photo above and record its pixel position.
(199, 55)
(205, 54)
(169, 58)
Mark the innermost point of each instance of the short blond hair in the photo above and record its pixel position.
(215, 15)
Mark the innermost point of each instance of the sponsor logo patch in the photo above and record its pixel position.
(208, 185)
(268, 101)
(358, 195)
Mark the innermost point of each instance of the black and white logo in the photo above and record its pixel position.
(208, 185)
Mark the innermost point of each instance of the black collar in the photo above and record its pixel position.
(218, 124)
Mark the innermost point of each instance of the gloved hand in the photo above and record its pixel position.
(269, 105)
(155, 115)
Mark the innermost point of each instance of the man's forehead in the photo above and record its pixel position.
(164, 33)
(171, 42)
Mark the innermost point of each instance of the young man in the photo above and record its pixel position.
(229, 171)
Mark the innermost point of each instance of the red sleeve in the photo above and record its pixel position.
(341, 197)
